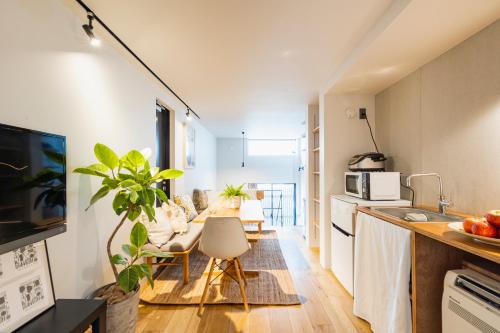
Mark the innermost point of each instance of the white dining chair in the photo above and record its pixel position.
(224, 238)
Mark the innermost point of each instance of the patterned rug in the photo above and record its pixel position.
(272, 286)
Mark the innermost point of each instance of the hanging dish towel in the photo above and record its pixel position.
(382, 267)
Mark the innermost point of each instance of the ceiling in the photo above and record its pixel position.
(243, 65)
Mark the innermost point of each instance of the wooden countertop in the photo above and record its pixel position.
(441, 232)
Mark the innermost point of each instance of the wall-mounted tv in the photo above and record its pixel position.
(32, 186)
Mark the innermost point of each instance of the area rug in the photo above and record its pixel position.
(273, 286)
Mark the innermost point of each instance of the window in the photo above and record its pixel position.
(271, 147)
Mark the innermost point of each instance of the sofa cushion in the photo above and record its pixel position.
(176, 216)
(159, 231)
(200, 200)
(180, 242)
(187, 204)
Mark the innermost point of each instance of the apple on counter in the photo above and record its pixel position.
(493, 217)
(482, 226)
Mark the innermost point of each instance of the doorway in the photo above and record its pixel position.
(163, 144)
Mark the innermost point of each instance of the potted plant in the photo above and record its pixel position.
(233, 195)
(133, 182)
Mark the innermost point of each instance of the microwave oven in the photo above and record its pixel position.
(373, 185)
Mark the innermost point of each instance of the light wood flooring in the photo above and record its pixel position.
(326, 306)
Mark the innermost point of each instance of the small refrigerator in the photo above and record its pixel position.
(343, 222)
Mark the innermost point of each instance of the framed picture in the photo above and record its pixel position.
(25, 285)
(189, 147)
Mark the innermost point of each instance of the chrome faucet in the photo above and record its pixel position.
(443, 203)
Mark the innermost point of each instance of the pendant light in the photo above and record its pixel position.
(243, 146)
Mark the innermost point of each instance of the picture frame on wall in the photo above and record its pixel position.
(25, 285)
(189, 147)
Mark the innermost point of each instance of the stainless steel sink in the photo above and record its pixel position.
(401, 213)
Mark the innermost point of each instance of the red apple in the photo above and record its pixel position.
(469, 222)
(493, 217)
(484, 229)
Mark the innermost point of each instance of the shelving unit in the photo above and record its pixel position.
(314, 175)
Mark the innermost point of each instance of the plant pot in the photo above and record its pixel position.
(233, 202)
(121, 317)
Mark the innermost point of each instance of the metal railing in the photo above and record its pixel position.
(279, 203)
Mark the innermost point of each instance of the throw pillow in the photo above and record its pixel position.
(159, 232)
(200, 200)
(176, 216)
(187, 204)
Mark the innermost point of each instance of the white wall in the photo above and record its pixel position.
(53, 80)
(258, 169)
(340, 139)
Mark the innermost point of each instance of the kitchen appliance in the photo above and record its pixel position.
(373, 185)
(367, 162)
(470, 303)
(343, 218)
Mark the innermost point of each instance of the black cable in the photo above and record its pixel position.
(371, 133)
(81, 3)
(410, 189)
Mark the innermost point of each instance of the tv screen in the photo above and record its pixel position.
(32, 183)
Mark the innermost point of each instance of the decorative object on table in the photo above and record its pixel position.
(200, 200)
(25, 285)
(233, 195)
(187, 204)
(133, 181)
(189, 147)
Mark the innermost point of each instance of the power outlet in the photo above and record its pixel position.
(362, 113)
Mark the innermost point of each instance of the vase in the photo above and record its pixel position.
(234, 202)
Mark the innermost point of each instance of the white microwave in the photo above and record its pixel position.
(373, 185)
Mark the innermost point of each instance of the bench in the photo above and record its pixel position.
(180, 245)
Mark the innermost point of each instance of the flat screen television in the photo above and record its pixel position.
(32, 186)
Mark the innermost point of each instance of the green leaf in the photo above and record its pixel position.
(134, 196)
(134, 213)
(145, 270)
(161, 195)
(111, 183)
(120, 203)
(106, 156)
(103, 191)
(131, 185)
(168, 174)
(130, 250)
(150, 196)
(97, 167)
(128, 279)
(87, 171)
(138, 235)
(150, 212)
(135, 158)
(118, 259)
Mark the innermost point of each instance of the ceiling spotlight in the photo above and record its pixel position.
(88, 28)
(188, 115)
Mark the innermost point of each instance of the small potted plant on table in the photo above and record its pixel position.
(233, 196)
(133, 181)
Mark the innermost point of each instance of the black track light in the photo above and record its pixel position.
(188, 115)
(243, 146)
(88, 28)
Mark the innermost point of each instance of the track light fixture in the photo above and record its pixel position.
(243, 146)
(88, 28)
(188, 115)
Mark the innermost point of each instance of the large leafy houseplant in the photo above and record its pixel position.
(133, 182)
(233, 195)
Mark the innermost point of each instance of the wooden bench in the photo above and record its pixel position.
(181, 245)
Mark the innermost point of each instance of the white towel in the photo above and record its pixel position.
(382, 268)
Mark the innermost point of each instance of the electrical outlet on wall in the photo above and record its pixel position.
(362, 113)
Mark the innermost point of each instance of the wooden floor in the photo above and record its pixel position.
(326, 306)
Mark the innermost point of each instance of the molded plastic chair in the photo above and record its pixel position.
(224, 238)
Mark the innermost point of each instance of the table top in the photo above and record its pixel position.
(249, 212)
(68, 315)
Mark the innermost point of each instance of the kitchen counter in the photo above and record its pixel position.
(441, 233)
(435, 250)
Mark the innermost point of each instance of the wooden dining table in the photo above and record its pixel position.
(250, 212)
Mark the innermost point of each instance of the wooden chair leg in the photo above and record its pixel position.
(185, 267)
(207, 284)
(242, 271)
(242, 287)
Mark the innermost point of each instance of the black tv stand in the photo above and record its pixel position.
(70, 316)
